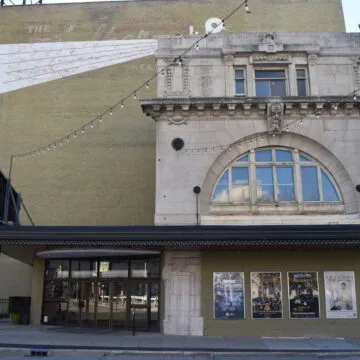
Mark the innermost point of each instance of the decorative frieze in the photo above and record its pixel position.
(270, 59)
(177, 111)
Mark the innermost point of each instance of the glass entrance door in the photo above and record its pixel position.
(140, 305)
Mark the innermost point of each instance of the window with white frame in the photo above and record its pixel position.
(240, 82)
(301, 81)
(270, 82)
(275, 175)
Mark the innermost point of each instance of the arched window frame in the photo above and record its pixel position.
(298, 204)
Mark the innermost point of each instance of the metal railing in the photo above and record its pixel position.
(4, 311)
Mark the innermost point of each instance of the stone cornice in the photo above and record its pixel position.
(245, 106)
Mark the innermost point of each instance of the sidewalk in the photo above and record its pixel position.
(61, 338)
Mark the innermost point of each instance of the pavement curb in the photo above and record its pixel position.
(105, 351)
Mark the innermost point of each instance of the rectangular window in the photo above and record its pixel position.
(239, 82)
(240, 184)
(265, 184)
(270, 82)
(301, 82)
(309, 182)
(285, 182)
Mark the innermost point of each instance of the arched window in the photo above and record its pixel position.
(276, 176)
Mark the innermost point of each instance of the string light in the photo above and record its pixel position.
(178, 60)
(92, 125)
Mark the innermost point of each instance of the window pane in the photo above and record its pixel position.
(304, 158)
(240, 184)
(262, 88)
(329, 191)
(283, 155)
(117, 268)
(263, 155)
(309, 183)
(221, 192)
(83, 268)
(285, 180)
(244, 159)
(300, 73)
(278, 88)
(265, 187)
(57, 269)
(239, 74)
(301, 87)
(270, 74)
(240, 89)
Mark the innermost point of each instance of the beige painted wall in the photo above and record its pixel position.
(19, 285)
(107, 177)
(282, 261)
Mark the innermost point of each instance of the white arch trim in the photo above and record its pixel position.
(23, 65)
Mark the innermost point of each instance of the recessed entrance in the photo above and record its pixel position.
(112, 293)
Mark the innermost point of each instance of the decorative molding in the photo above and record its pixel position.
(275, 114)
(356, 67)
(270, 59)
(270, 44)
(312, 59)
(177, 75)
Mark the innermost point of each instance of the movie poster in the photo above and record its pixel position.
(303, 295)
(228, 292)
(340, 294)
(266, 299)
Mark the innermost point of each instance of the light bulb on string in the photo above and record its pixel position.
(147, 85)
(122, 104)
(247, 9)
(111, 112)
(68, 139)
(287, 128)
(43, 150)
(230, 148)
(61, 142)
(301, 122)
(197, 47)
(55, 146)
(223, 24)
(83, 130)
(162, 73)
(355, 98)
(91, 125)
(48, 148)
(75, 134)
(100, 119)
(135, 97)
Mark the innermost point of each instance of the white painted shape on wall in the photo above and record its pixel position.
(23, 65)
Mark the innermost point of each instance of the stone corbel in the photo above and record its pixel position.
(334, 109)
(247, 109)
(304, 108)
(288, 109)
(216, 107)
(262, 108)
(349, 109)
(319, 107)
(231, 109)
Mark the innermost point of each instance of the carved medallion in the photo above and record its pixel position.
(275, 114)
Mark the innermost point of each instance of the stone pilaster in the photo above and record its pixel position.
(182, 288)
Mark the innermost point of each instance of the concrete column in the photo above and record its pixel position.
(37, 290)
(182, 293)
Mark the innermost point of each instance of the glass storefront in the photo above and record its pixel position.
(108, 293)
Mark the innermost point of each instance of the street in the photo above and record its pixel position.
(12, 355)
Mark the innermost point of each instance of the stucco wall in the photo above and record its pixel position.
(11, 286)
(272, 261)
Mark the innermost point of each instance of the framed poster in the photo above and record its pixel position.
(303, 295)
(228, 295)
(266, 297)
(340, 294)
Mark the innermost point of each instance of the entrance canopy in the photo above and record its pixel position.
(189, 237)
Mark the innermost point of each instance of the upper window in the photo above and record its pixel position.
(301, 81)
(270, 82)
(275, 175)
(239, 82)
